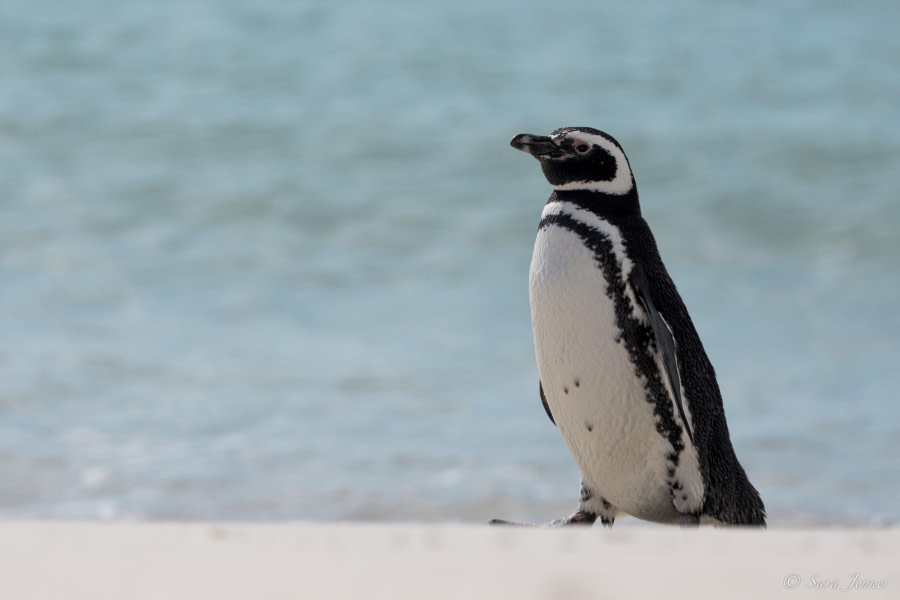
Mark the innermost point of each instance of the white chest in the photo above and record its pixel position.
(597, 399)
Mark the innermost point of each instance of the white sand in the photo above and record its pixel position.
(94, 561)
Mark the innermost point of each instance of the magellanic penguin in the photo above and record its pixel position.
(623, 373)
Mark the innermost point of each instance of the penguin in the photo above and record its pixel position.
(623, 373)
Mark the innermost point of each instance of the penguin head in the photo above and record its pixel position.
(580, 159)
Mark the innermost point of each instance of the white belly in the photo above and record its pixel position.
(595, 395)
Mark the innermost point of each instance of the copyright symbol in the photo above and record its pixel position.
(791, 581)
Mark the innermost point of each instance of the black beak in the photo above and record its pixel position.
(535, 145)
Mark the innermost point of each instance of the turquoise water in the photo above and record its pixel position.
(269, 260)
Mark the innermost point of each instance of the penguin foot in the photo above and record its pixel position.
(579, 517)
(689, 521)
(515, 523)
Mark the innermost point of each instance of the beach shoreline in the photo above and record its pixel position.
(296, 560)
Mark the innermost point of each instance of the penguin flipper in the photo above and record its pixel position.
(665, 340)
(544, 402)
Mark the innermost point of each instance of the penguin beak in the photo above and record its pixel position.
(535, 145)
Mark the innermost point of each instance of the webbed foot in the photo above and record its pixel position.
(689, 521)
(579, 517)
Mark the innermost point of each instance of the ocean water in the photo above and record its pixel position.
(268, 260)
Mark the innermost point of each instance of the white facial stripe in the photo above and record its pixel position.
(618, 185)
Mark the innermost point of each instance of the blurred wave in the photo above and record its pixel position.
(269, 260)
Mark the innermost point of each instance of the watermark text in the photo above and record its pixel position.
(848, 583)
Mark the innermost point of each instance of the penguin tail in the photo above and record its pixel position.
(736, 502)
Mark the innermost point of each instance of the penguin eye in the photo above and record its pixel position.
(581, 148)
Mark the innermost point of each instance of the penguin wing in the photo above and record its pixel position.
(665, 340)
(544, 402)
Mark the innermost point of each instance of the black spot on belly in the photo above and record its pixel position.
(672, 457)
(566, 389)
(577, 382)
(589, 427)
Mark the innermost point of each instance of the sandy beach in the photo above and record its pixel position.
(96, 561)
